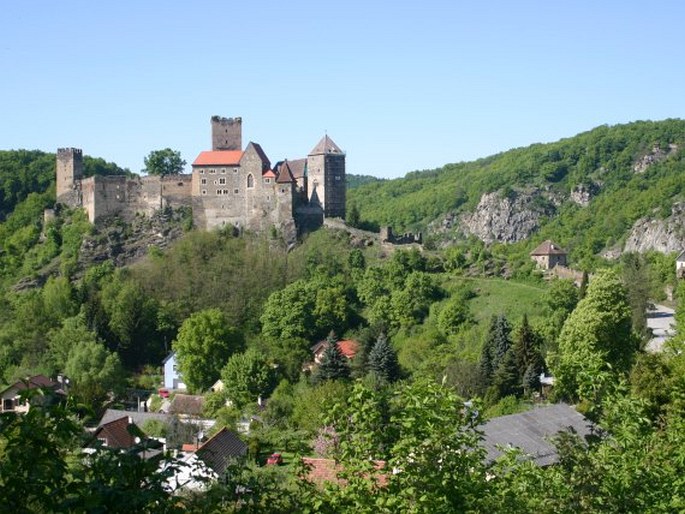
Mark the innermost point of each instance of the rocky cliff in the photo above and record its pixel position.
(506, 219)
(663, 235)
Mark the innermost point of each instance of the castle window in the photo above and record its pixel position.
(223, 171)
(212, 171)
(202, 172)
(267, 181)
(250, 181)
(282, 190)
(219, 192)
(235, 170)
(203, 181)
(337, 177)
(222, 181)
(225, 191)
(235, 191)
(204, 191)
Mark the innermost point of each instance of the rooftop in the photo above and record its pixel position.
(548, 248)
(532, 431)
(218, 158)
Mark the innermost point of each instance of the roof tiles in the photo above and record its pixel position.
(219, 158)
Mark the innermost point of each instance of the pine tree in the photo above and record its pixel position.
(333, 364)
(383, 360)
(495, 347)
(507, 378)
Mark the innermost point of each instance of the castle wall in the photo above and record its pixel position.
(326, 181)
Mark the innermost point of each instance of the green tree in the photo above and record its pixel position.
(164, 162)
(73, 333)
(333, 365)
(204, 344)
(453, 315)
(247, 376)
(94, 372)
(382, 360)
(495, 347)
(596, 341)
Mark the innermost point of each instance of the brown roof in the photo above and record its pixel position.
(285, 176)
(33, 382)
(117, 433)
(218, 158)
(221, 449)
(326, 145)
(187, 404)
(298, 167)
(548, 248)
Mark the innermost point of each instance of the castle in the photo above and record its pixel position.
(227, 186)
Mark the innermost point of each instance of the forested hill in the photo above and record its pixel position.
(586, 191)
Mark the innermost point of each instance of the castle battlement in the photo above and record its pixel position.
(227, 186)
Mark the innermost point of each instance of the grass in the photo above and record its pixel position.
(496, 296)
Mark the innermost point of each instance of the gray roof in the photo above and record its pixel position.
(139, 418)
(220, 449)
(326, 146)
(532, 431)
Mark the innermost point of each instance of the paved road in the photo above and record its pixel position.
(662, 323)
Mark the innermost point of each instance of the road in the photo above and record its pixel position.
(662, 324)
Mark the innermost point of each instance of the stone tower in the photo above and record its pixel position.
(227, 133)
(69, 172)
(326, 178)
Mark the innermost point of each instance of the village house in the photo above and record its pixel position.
(11, 397)
(347, 347)
(172, 377)
(548, 255)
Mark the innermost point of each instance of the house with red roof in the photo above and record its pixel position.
(348, 347)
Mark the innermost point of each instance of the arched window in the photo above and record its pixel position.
(250, 180)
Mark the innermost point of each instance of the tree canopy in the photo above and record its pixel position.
(164, 162)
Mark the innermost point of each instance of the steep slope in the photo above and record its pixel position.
(587, 192)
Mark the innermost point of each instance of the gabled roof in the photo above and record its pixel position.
(266, 164)
(117, 433)
(326, 146)
(139, 418)
(218, 158)
(33, 382)
(347, 347)
(548, 248)
(188, 404)
(221, 449)
(298, 168)
(285, 176)
(168, 357)
(269, 174)
(532, 431)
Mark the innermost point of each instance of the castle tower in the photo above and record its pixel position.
(326, 178)
(69, 172)
(227, 133)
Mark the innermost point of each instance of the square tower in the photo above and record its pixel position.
(227, 133)
(326, 178)
(69, 172)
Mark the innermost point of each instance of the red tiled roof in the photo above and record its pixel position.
(269, 174)
(348, 347)
(548, 248)
(219, 158)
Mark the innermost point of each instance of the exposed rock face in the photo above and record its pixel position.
(657, 154)
(504, 219)
(667, 235)
(583, 193)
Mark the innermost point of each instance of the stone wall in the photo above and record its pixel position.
(227, 133)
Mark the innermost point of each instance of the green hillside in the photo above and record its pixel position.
(602, 159)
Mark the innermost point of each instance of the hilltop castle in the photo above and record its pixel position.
(227, 186)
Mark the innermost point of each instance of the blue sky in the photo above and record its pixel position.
(399, 85)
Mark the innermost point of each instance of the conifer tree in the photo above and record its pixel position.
(383, 360)
(333, 364)
(495, 347)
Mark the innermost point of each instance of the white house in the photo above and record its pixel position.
(172, 377)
